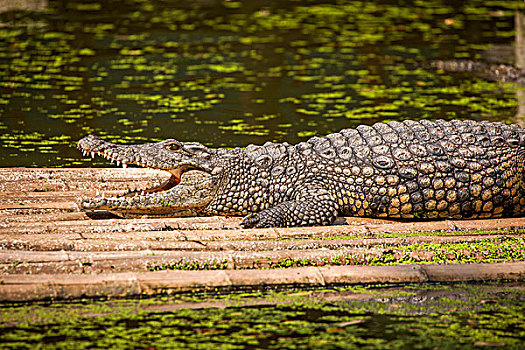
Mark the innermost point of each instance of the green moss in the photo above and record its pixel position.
(416, 234)
(481, 250)
(190, 265)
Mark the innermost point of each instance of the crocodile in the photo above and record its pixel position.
(494, 72)
(407, 170)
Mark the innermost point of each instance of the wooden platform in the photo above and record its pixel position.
(49, 248)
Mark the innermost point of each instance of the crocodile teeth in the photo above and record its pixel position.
(118, 163)
(124, 165)
(92, 154)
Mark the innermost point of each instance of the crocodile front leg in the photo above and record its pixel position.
(313, 206)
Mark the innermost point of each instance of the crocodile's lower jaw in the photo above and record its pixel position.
(189, 194)
(165, 212)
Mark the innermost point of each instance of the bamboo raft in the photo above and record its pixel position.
(51, 249)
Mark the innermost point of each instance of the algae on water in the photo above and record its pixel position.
(466, 316)
(230, 73)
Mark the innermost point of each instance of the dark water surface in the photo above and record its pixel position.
(230, 73)
(460, 316)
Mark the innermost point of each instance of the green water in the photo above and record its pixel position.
(457, 316)
(230, 73)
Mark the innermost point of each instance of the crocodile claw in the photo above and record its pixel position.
(250, 221)
(261, 219)
(257, 220)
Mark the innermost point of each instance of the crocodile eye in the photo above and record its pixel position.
(173, 147)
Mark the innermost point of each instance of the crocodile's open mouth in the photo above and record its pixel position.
(182, 189)
(166, 185)
(172, 181)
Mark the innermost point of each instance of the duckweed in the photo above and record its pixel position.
(146, 70)
(470, 316)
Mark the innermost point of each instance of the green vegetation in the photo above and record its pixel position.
(190, 265)
(234, 72)
(462, 316)
(487, 250)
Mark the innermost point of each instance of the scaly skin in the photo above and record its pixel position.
(457, 169)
